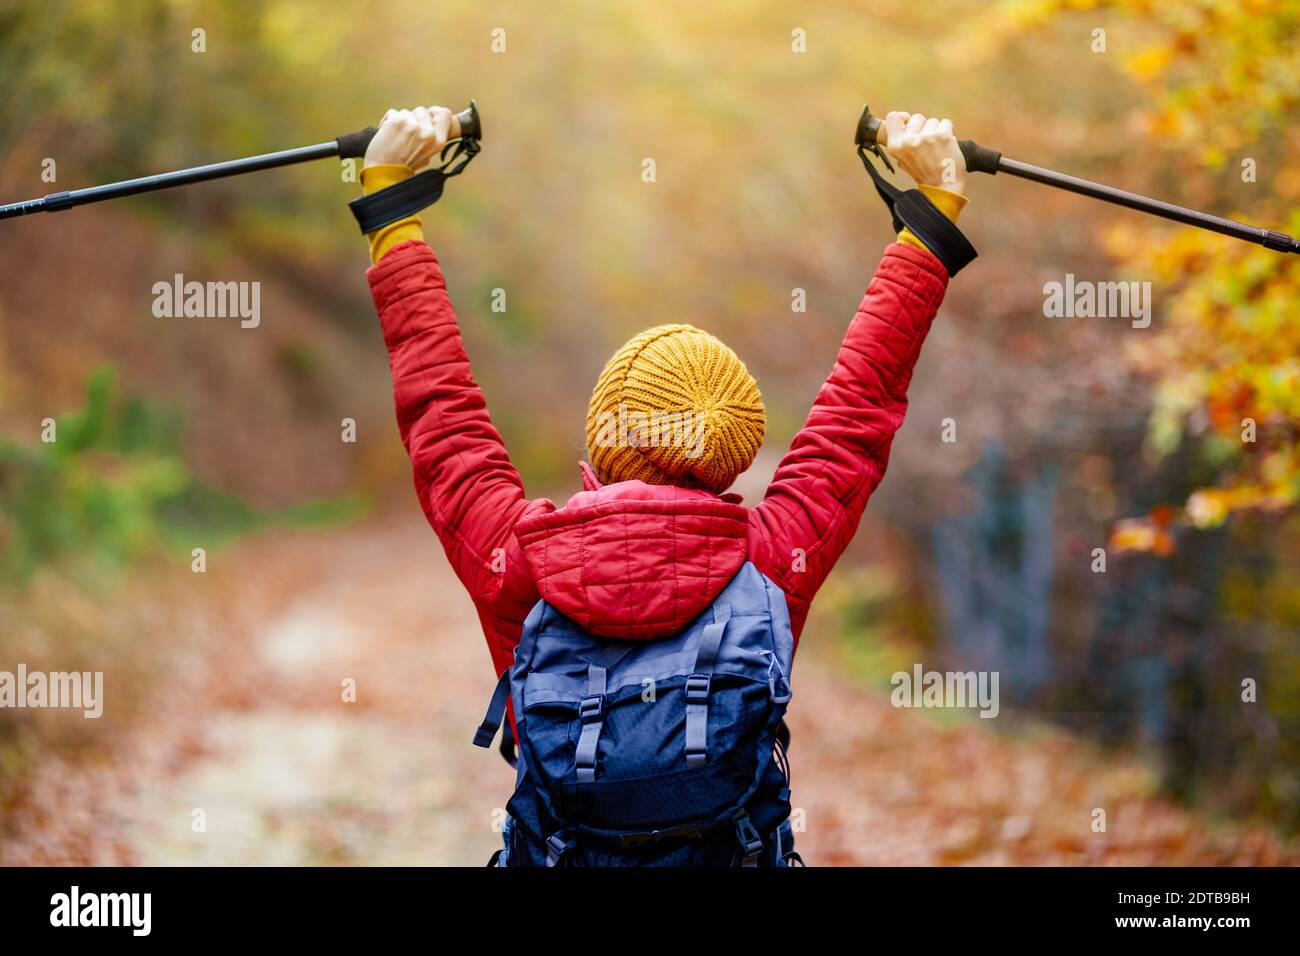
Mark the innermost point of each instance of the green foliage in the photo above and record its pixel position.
(113, 486)
(91, 492)
(864, 614)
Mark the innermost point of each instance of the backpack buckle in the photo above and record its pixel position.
(591, 709)
(749, 839)
(556, 846)
(697, 688)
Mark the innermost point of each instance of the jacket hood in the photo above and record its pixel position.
(632, 560)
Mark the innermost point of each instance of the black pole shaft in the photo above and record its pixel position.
(181, 177)
(347, 146)
(1278, 241)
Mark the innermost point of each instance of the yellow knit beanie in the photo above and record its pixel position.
(674, 406)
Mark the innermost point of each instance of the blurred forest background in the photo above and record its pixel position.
(1073, 434)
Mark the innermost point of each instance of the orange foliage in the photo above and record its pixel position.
(1225, 354)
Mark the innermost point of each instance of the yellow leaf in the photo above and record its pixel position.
(1208, 508)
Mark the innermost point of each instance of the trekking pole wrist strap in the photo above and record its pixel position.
(394, 203)
(913, 209)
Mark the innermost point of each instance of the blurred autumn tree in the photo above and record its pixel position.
(1227, 357)
(1177, 637)
(1223, 81)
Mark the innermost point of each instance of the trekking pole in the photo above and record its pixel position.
(465, 125)
(871, 134)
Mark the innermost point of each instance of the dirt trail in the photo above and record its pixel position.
(285, 772)
(290, 773)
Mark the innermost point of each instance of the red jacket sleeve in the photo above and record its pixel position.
(470, 492)
(821, 487)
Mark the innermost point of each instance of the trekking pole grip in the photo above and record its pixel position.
(464, 125)
(979, 159)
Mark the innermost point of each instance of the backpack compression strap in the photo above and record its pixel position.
(592, 709)
(494, 719)
(408, 197)
(697, 688)
(496, 712)
(913, 209)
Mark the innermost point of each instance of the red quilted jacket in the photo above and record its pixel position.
(632, 560)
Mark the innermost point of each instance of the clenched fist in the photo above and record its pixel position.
(927, 150)
(412, 138)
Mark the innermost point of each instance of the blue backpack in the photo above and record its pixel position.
(667, 752)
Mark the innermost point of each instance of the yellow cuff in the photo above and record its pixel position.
(373, 179)
(949, 203)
